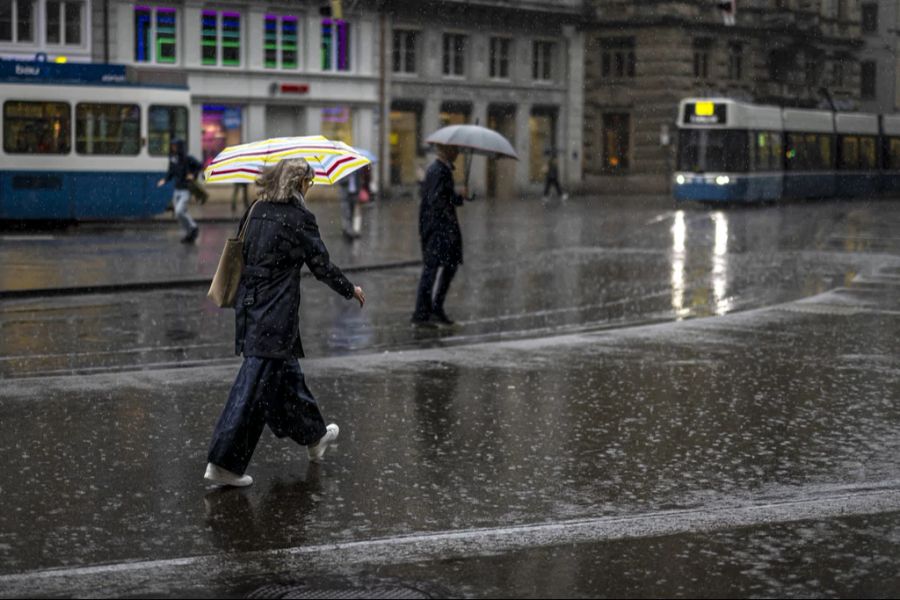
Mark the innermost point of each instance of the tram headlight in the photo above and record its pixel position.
(723, 180)
(679, 179)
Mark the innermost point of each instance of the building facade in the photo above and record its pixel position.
(642, 58)
(879, 24)
(485, 62)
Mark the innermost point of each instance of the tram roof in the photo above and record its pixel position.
(729, 114)
(89, 74)
(795, 119)
(890, 124)
(856, 123)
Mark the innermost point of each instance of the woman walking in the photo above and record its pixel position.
(270, 389)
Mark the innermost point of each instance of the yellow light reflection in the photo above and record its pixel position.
(679, 233)
(720, 264)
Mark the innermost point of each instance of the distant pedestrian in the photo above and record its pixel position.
(440, 237)
(552, 179)
(182, 168)
(350, 186)
(240, 189)
(270, 389)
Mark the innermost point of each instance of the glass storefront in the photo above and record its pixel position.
(221, 127)
(542, 130)
(337, 123)
(405, 140)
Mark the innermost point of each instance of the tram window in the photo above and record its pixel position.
(165, 123)
(768, 151)
(893, 154)
(825, 153)
(849, 153)
(796, 153)
(723, 150)
(775, 138)
(867, 155)
(37, 127)
(109, 129)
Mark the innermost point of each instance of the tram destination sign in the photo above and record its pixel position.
(705, 113)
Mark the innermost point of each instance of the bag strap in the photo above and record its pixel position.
(243, 230)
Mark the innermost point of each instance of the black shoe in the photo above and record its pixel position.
(442, 319)
(423, 323)
(191, 237)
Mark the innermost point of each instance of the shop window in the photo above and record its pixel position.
(454, 54)
(36, 127)
(541, 130)
(542, 61)
(405, 140)
(221, 127)
(157, 23)
(280, 42)
(64, 22)
(17, 21)
(337, 123)
(335, 45)
(108, 129)
(616, 142)
(404, 51)
(165, 124)
(499, 58)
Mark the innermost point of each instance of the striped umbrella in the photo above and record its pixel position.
(332, 160)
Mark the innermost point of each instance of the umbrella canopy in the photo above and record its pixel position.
(332, 160)
(474, 138)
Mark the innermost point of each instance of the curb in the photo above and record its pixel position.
(175, 284)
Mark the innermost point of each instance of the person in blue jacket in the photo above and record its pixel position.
(183, 169)
(440, 237)
(281, 236)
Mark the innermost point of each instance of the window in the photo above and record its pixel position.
(702, 47)
(870, 17)
(717, 150)
(735, 61)
(837, 73)
(768, 151)
(108, 129)
(37, 127)
(858, 152)
(616, 142)
(220, 38)
(404, 51)
(17, 19)
(892, 156)
(617, 59)
(335, 45)
(164, 124)
(812, 71)
(499, 58)
(542, 61)
(280, 42)
(337, 123)
(867, 79)
(809, 152)
(159, 22)
(64, 23)
(454, 54)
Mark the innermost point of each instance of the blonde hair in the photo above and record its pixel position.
(279, 183)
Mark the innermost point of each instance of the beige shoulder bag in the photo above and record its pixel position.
(225, 282)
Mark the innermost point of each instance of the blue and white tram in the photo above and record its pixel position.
(82, 142)
(808, 153)
(728, 151)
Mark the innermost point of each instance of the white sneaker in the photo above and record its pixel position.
(317, 451)
(226, 477)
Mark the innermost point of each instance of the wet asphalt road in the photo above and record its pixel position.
(639, 401)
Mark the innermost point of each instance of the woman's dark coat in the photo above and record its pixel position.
(280, 239)
(438, 226)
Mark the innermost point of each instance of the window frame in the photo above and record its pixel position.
(14, 24)
(280, 49)
(500, 49)
(137, 140)
(68, 117)
(458, 56)
(335, 50)
(400, 53)
(62, 25)
(618, 58)
(154, 40)
(543, 60)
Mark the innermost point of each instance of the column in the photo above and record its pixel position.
(255, 37)
(254, 123)
(523, 146)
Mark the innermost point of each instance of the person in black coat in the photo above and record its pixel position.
(281, 236)
(440, 237)
(183, 170)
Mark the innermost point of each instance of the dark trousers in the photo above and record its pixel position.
(430, 297)
(271, 392)
(554, 182)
